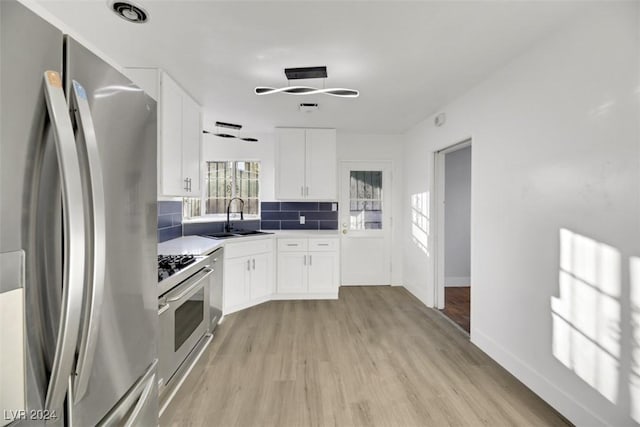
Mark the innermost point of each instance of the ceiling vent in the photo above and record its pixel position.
(308, 108)
(130, 12)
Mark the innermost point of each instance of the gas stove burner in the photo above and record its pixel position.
(168, 265)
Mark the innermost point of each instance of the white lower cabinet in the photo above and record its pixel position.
(323, 272)
(260, 285)
(248, 274)
(308, 268)
(236, 291)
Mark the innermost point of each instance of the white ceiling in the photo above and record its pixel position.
(406, 58)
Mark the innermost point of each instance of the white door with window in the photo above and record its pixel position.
(365, 223)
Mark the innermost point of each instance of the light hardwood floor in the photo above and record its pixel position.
(375, 357)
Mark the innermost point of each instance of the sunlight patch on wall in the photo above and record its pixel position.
(420, 221)
(586, 316)
(634, 377)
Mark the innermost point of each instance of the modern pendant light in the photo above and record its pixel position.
(223, 134)
(307, 73)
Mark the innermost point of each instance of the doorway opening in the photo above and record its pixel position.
(453, 259)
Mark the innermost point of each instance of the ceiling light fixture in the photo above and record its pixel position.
(307, 73)
(233, 126)
(130, 12)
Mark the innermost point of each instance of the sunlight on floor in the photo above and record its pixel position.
(586, 316)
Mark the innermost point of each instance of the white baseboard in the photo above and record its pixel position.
(543, 387)
(456, 281)
(419, 293)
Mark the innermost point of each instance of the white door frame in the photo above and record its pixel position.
(439, 177)
(387, 168)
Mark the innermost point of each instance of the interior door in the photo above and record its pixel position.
(365, 223)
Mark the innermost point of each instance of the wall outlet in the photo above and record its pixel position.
(301, 219)
(334, 207)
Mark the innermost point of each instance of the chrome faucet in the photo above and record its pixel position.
(227, 226)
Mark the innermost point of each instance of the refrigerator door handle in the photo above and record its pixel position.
(74, 241)
(95, 276)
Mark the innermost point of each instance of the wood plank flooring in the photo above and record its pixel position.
(375, 357)
(457, 305)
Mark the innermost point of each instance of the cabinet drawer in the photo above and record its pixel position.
(240, 249)
(321, 245)
(292, 245)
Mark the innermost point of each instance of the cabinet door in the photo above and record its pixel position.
(292, 272)
(260, 276)
(171, 181)
(235, 290)
(323, 272)
(290, 167)
(321, 165)
(191, 134)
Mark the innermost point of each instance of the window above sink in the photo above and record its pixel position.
(223, 181)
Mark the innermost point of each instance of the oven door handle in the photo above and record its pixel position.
(184, 293)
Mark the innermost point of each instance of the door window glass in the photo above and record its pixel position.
(365, 200)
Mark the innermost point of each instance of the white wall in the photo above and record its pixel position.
(371, 147)
(457, 213)
(555, 146)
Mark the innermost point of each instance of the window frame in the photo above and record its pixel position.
(207, 217)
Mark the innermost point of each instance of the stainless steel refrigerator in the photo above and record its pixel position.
(77, 233)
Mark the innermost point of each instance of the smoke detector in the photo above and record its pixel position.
(129, 12)
(308, 108)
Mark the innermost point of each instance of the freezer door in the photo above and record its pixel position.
(139, 407)
(124, 124)
(30, 189)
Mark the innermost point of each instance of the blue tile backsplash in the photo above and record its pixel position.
(286, 216)
(274, 216)
(169, 220)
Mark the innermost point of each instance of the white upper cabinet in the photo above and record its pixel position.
(306, 164)
(290, 168)
(321, 160)
(179, 133)
(191, 134)
(170, 139)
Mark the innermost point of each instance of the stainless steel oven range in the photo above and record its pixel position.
(183, 308)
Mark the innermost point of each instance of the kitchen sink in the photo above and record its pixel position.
(251, 232)
(236, 234)
(222, 235)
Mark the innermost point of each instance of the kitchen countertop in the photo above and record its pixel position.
(198, 245)
(189, 245)
(306, 233)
